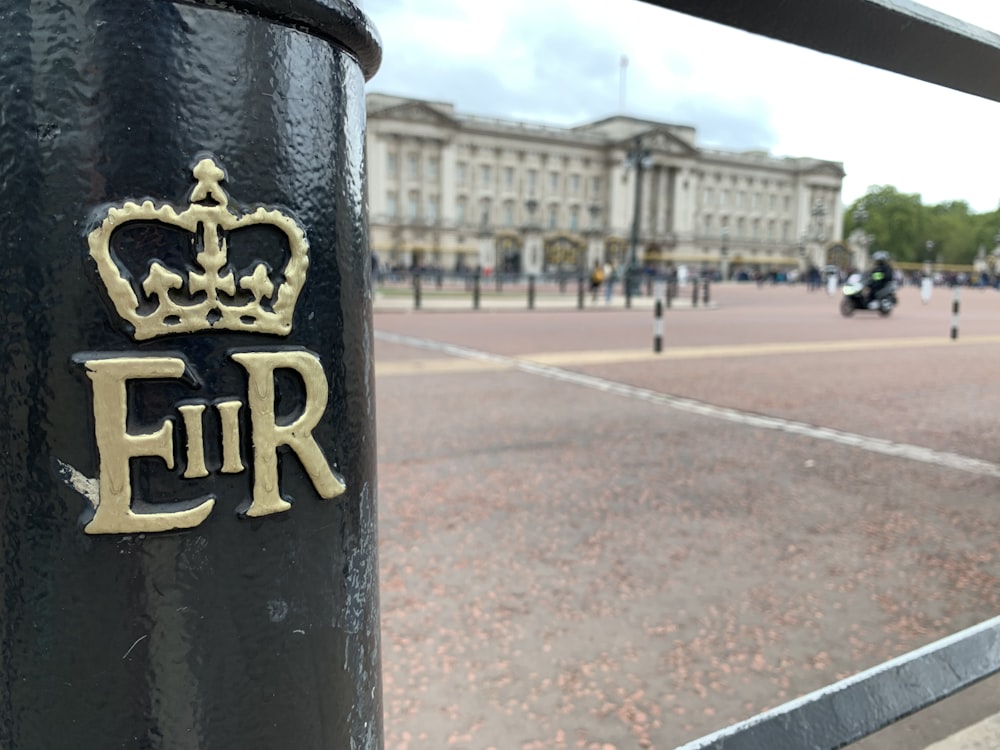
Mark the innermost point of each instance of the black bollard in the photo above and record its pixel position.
(671, 291)
(954, 313)
(658, 327)
(475, 291)
(694, 291)
(706, 296)
(531, 292)
(579, 292)
(416, 290)
(186, 256)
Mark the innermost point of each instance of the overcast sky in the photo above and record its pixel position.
(559, 62)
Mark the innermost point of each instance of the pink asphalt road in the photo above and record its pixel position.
(588, 546)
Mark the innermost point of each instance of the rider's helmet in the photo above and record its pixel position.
(881, 258)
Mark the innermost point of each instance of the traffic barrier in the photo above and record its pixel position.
(185, 245)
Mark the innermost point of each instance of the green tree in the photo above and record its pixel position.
(893, 220)
(902, 225)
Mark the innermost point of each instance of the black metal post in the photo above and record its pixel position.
(531, 292)
(416, 289)
(694, 291)
(475, 291)
(579, 292)
(954, 312)
(707, 286)
(175, 266)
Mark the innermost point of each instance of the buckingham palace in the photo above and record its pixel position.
(458, 192)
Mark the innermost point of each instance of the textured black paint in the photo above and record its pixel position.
(248, 633)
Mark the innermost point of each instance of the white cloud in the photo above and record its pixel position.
(558, 61)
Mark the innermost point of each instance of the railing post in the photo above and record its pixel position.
(168, 581)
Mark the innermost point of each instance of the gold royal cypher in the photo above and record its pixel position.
(218, 299)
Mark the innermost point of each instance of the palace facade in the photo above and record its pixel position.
(457, 192)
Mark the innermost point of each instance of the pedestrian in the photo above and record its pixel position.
(596, 279)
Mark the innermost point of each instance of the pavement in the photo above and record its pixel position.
(585, 544)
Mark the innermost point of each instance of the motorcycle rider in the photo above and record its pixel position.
(880, 276)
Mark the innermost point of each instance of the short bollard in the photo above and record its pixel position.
(926, 288)
(531, 292)
(671, 291)
(694, 292)
(187, 483)
(954, 313)
(579, 293)
(658, 327)
(475, 291)
(416, 290)
(707, 286)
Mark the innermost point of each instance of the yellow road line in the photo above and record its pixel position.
(621, 356)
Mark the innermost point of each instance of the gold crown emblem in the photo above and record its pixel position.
(215, 296)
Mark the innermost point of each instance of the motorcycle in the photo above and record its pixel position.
(856, 297)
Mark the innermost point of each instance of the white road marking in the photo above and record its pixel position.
(691, 406)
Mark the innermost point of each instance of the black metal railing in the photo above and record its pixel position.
(842, 713)
(895, 35)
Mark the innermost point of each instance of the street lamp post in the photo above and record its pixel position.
(802, 263)
(819, 227)
(637, 158)
(860, 217)
(724, 253)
